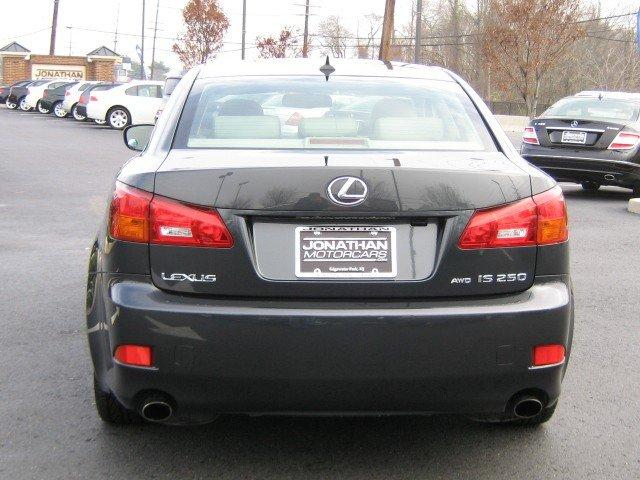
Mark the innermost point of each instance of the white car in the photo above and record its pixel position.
(72, 95)
(32, 100)
(132, 103)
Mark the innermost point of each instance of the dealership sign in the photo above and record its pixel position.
(58, 72)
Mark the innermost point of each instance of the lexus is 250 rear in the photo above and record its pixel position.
(388, 252)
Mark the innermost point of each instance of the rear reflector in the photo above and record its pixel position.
(93, 98)
(539, 220)
(547, 355)
(625, 141)
(138, 216)
(529, 136)
(138, 355)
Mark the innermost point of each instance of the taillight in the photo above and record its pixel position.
(530, 136)
(138, 216)
(540, 220)
(625, 141)
(294, 120)
(67, 93)
(174, 223)
(93, 98)
(129, 214)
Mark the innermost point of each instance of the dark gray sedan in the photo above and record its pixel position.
(271, 252)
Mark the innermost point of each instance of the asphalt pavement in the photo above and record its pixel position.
(54, 180)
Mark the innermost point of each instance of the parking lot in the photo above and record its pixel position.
(55, 176)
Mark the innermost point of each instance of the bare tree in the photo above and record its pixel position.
(334, 36)
(523, 40)
(206, 25)
(285, 45)
(367, 45)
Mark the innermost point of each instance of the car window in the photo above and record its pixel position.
(593, 108)
(152, 91)
(131, 91)
(343, 113)
(84, 86)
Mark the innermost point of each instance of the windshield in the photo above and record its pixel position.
(594, 109)
(342, 113)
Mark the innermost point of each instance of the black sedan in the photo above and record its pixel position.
(52, 99)
(407, 262)
(18, 93)
(12, 103)
(592, 138)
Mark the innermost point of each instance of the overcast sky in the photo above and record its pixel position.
(93, 22)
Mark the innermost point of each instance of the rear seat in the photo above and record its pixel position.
(327, 127)
(421, 129)
(263, 126)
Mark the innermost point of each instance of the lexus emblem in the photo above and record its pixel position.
(574, 123)
(347, 191)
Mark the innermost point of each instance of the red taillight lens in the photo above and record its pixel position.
(174, 223)
(540, 220)
(45, 94)
(138, 216)
(530, 136)
(138, 355)
(129, 214)
(93, 98)
(548, 355)
(625, 141)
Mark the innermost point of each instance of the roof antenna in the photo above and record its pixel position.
(600, 96)
(327, 69)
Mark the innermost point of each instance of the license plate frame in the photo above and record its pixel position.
(574, 137)
(371, 267)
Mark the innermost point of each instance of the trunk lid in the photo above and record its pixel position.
(575, 133)
(275, 201)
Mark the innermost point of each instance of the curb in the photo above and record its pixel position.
(634, 205)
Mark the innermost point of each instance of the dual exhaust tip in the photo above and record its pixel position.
(157, 407)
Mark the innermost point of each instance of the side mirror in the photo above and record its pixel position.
(136, 137)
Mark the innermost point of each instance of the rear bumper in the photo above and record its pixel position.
(220, 356)
(578, 169)
(95, 112)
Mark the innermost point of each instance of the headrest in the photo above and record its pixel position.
(419, 129)
(240, 106)
(328, 127)
(256, 126)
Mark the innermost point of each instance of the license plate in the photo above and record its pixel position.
(345, 252)
(569, 136)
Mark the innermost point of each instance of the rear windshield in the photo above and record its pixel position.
(594, 109)
(342, 113)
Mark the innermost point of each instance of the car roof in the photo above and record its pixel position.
(311, 66)
(608, 95)
(143, 82)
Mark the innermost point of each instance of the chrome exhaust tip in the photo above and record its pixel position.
(527, 407)
(155, 410)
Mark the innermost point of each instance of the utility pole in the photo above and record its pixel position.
(244, 27)
(115, 38)
(305, 44)
(416, 56)
(70, 38)
(387, 30)
(54, 27)
(155, 34)
(142, 72)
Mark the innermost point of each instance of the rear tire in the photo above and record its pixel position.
(590, 186)
(22, 103)
(636, 191)
(41, 109)
(76, 115)
(110, 410)
(11, 105)
(58, 111)
(118, 118)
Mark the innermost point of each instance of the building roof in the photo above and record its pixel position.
(14, 47)
(311, 67)
(103, 52)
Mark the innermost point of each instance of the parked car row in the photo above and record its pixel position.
(116, 104)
